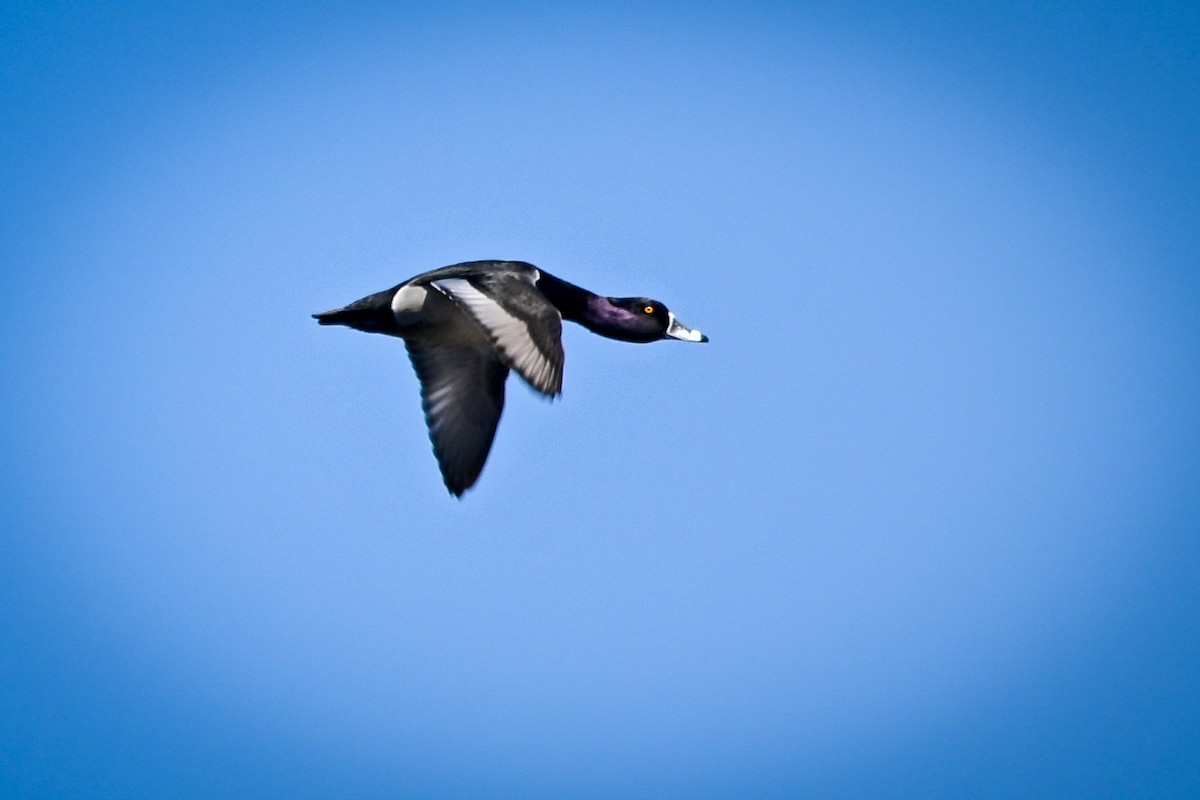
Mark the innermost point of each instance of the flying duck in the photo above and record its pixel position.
(466, 325)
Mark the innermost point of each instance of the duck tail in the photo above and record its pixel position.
(372, 314)
(339, 316)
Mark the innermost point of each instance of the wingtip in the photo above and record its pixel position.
(456, 486)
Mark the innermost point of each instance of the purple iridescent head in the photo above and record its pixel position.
(636, 319)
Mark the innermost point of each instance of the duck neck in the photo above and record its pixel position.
(575, 304)
(598, 314)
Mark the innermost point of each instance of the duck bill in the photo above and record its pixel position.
(677, 330)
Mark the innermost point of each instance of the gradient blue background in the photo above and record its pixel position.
(921, 521)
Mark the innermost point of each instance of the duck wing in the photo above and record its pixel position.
(522, 324)
(462, 395)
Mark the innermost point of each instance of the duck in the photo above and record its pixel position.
(467, 325)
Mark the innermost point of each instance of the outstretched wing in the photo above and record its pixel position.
(525, 328)
(462, 394)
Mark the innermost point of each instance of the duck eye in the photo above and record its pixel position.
(648, 309)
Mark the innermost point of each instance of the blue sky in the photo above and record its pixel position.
(920, 521)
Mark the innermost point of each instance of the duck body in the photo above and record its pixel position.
(467, 325)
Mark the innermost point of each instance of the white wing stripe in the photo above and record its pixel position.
(510, 333)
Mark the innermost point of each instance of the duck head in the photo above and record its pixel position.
(636, 319)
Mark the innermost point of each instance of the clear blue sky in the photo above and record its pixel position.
(922, 520)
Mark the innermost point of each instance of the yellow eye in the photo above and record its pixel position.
(648, 309)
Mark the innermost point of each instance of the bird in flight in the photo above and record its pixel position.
(466, 325)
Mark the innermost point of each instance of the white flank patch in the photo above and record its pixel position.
(407, 304)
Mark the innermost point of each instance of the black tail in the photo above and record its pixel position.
(372, 314)
(336, 317)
